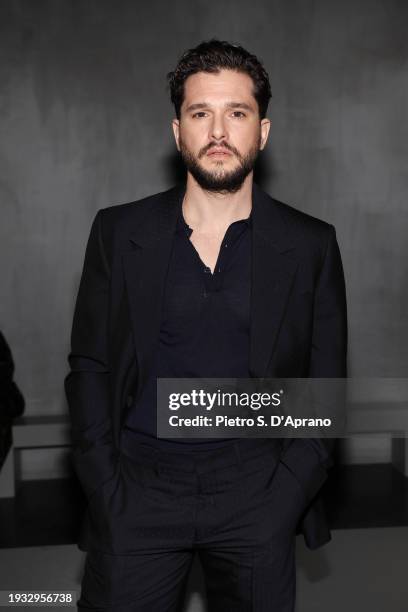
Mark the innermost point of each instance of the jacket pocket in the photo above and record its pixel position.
(304, 464)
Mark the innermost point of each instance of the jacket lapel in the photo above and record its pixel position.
(146, 262)
(273, 273)
(145, 268)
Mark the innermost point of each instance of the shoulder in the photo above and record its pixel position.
(116, 220)
(115, 213)
(302, 223)
(303, 230)
(291, 228)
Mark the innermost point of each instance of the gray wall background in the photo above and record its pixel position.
(85, 123)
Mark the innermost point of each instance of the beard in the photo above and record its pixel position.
(220, 180)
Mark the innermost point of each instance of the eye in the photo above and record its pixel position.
(199, 114)
(238, 114)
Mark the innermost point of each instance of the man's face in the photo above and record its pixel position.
(219, 134)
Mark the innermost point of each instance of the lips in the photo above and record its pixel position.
(218, 152)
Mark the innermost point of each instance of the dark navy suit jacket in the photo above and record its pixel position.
(298, 329)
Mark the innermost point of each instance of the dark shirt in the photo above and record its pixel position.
(204, 328)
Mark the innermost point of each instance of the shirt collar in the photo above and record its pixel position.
(183, 227)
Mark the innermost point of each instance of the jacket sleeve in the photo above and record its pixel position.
(309, 458)
(87, 384)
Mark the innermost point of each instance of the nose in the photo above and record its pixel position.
(217, 130)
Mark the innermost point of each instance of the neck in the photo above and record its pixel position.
(208, 212)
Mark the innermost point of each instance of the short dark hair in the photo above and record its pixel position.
(212, 56)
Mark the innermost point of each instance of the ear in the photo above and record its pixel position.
(176, 130)
(265, 127)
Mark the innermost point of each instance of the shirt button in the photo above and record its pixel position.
(226, 245)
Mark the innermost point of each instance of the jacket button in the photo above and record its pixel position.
(129, 401)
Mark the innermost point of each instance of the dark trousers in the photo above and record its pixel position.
(237, 508)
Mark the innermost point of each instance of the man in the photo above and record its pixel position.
(212, 278)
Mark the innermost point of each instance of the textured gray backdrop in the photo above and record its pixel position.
(85, 123)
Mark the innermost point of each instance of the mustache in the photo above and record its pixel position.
(224, 145)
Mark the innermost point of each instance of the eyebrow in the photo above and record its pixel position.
(201, 105)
